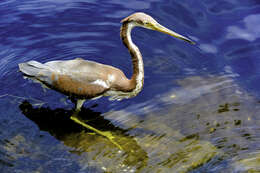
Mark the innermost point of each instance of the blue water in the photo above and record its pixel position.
(209, 90)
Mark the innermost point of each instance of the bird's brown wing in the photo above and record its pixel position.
(78, 77)
(84, 79)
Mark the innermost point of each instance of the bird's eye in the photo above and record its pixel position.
(146, 23)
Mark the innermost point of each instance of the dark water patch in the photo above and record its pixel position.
(239, 52)
(24, 144)
(182, 13)
(221, 7)
(228, 107)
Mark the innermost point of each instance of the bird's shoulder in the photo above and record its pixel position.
(79, 65)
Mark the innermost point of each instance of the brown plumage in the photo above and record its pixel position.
(82, 79)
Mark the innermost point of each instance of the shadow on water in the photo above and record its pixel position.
(168, 149)
(58, 123)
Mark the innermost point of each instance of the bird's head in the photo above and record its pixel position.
(146, 21)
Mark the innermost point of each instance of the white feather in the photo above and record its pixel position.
(111, 78)
(100, 83)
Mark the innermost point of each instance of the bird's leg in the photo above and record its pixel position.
(79, 104)
(77, 119)
(106, 134)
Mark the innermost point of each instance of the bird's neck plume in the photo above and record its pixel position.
(137, 61)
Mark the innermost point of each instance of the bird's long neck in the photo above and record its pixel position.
(136, 81)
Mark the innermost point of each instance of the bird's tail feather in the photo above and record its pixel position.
(31, 68)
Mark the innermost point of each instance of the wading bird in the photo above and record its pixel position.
(81, 79)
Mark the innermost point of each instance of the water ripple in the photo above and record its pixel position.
(196, 112)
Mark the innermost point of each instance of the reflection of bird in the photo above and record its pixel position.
(81, 79)
(58, 124)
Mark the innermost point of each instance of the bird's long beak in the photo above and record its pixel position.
(165, 30)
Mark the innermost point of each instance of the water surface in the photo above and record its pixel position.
(198, 110)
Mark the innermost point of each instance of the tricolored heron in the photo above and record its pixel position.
(81, 79)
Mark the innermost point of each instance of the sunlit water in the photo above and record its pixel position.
(198, 111)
